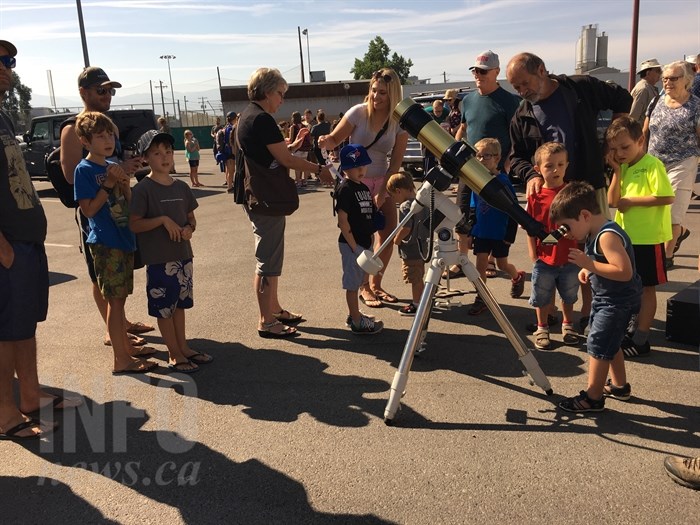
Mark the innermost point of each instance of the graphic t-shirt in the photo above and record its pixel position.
(645, 224)
(22, 217)
(110, 225)
(355, 199)
(556, 124)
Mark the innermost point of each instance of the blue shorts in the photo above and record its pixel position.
(169, 286)
(546, 279)
(499, 249)
(353, 275)
(24, 300)
(607, 328)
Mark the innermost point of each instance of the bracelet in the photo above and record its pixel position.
(107, 189)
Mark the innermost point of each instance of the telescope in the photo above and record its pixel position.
(459, 160)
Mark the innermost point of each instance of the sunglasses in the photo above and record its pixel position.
(103, 91)
(476, 71)
(378, 75)
(8, 61)
(670, 79)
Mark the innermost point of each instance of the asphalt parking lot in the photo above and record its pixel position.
(292, 431)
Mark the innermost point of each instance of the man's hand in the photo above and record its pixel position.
(7, 254)
(130, 166)
(534, 185)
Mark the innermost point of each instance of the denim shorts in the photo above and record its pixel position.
(169, 286)
(607, 325)
(24, 292)
(546, 279)
(353, 274)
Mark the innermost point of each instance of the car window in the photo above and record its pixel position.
(57, 130)
(40, 132)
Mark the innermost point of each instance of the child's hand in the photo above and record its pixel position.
(186, 232)
(579, 258)
(174, 231)
(583, 276)
(612, 162)
(624, 204)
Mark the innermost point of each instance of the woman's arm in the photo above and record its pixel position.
(397, 154)
(282, 155)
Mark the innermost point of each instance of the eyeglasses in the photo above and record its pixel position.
(281, 94)
(378, 75)
(8, 61)
(670, 79)
(476, 71)
(486, 156)
(103, 91)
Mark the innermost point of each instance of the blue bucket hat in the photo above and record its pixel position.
(353, 156)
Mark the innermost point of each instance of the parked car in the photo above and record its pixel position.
(413, 158)
(44, 135)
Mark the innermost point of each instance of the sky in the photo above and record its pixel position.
(442, 38)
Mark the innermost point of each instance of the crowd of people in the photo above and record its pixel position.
(545, 137)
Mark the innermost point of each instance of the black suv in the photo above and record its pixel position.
(44, 136)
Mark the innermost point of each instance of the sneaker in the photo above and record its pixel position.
(629, 349)
(552, 320)
(367, 326)
(409, 309)
(622, 393)
(583, 327)
(542, 338)
(570, 335)
(348, 319)
(478, 307)
(575, 404)
(685, 233)
(517, 286)
(684, 471)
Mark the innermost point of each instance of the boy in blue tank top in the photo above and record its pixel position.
(608, 265)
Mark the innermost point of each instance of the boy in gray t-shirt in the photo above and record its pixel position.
(162, 217)
(412, 239)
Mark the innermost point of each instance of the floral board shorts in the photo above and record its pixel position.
(114, 269)
(168, 287)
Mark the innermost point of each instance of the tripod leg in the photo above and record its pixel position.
(526, 357)
(417, 333)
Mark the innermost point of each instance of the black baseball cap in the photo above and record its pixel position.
(95, 76)
(11, 49)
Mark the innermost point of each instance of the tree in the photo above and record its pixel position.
(377, 57)
(17, 102)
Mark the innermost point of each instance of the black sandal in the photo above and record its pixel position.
(576, 404)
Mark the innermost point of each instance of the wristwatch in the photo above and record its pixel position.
(107, 189)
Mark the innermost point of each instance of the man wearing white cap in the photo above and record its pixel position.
(645, 91)
(695, 61)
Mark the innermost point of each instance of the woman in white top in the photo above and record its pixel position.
(363, 123)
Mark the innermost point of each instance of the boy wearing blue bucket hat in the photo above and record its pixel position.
(355, 208)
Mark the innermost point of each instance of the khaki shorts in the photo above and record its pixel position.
(412, 270)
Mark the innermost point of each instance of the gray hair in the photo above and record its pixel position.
(686, 74)
(264, 80)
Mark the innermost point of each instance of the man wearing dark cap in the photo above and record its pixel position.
(24, 280)
(96, 90)
(645, 90)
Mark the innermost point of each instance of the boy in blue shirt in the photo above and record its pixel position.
(102, 190)
(493, 231)
(608, 265)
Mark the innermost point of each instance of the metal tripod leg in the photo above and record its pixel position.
(526, 357)
(413, 342)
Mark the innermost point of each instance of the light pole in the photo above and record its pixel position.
(305, 32)
(161, 86)
(301, 54)
(172, 91)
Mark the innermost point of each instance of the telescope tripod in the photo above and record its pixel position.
(445, 254)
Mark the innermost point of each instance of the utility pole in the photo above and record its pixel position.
(188, 118)
(444, 77)
(202, 101)
(162, 99)
(82, 33)
(301, 55)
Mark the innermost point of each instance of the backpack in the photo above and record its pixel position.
(227, 140)
(65, 189)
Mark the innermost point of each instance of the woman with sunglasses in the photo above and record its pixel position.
(370, 124)
(673, 123)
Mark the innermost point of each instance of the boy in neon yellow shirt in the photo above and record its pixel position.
(641, 191)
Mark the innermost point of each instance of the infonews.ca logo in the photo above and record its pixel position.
(109, 438)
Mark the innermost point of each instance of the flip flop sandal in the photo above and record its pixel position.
(491, 270)
(288, 317)
(11, 433)
(200, 358)
(135, 340)
(175, 367)
(54, 405)
(145, 351)
(139, 328)
(385, 297)
(137, 367)
(287, 331)
(371, 303)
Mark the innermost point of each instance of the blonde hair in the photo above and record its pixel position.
(264, 80)
(489, 143)
(547, 149)
(400, 181)
(88, 123)
(393, 88)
